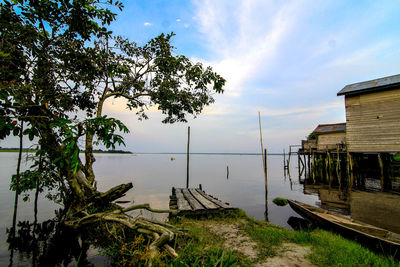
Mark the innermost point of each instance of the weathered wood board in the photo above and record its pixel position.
(373, 122)
(193, 201)
(331, 140)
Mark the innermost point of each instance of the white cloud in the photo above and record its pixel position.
(245, 36)
(364, 55)
(317, 109)
(285, 59)
(147, 24)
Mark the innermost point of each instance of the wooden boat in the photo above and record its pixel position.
(375, 238)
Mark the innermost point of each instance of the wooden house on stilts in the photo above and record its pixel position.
(373, 115)
(330, 136)
(367, 145)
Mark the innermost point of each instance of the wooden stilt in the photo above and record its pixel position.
(305, 165)
(313, 168)
(298, 164)
(321, 170)
(330, 167)
(348, 169)
(387, 181)
(309, 164)
(338, 169)
(351, 170)
(327, 168)
(382, 171)
(357, 169)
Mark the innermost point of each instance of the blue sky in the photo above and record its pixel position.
(286, 59)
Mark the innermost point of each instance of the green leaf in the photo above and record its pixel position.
(16, 131)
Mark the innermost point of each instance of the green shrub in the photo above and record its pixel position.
(280, 201)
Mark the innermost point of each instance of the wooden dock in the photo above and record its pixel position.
(195, 202)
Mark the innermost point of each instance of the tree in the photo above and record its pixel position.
(58, 58)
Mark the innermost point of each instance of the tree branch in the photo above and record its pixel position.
(147, 207)
(133, 97)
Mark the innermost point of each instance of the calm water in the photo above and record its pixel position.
(153, 176)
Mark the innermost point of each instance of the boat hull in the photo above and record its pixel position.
(361, 233)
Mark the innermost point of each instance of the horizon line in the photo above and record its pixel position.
(208, 153)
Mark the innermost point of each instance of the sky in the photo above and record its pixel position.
(284, 59)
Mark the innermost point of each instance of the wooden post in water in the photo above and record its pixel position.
(323, 167)
(326, 165)
(265, 170)
(298, 164)
(351, 170)
(338, 169)
(266, 186)
(313, 168)
(309, 164)
(263, 152)
(187, 159)
(284, 159)
(264, 158)
(261, 141)
(330, 169)
(305, 166)
(357, 173)
(348, 167)
(382, 171)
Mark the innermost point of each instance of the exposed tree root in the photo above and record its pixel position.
(160, 234)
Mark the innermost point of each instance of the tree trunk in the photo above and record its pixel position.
(83, 196)
(17, 179)
(89, 158)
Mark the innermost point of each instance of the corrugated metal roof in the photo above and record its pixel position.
(330, 128)
(384, 83)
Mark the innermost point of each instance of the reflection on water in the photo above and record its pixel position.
(375, 208)
(300, 223)
(153, 177)
(50, 244)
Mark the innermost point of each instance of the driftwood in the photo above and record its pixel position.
(113, 194)
(160, 234)
(81, 197)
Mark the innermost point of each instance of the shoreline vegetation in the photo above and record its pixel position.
(13, 149)
(234, 239)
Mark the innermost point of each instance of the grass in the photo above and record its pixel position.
(333, 250)
(328, 249)
(199, 247)
(202, 247)
(269, 237)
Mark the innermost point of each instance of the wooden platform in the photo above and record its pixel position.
(194, 201)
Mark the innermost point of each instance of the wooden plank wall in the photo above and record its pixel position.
(330, 141)
(373, 122)
(308, 144)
